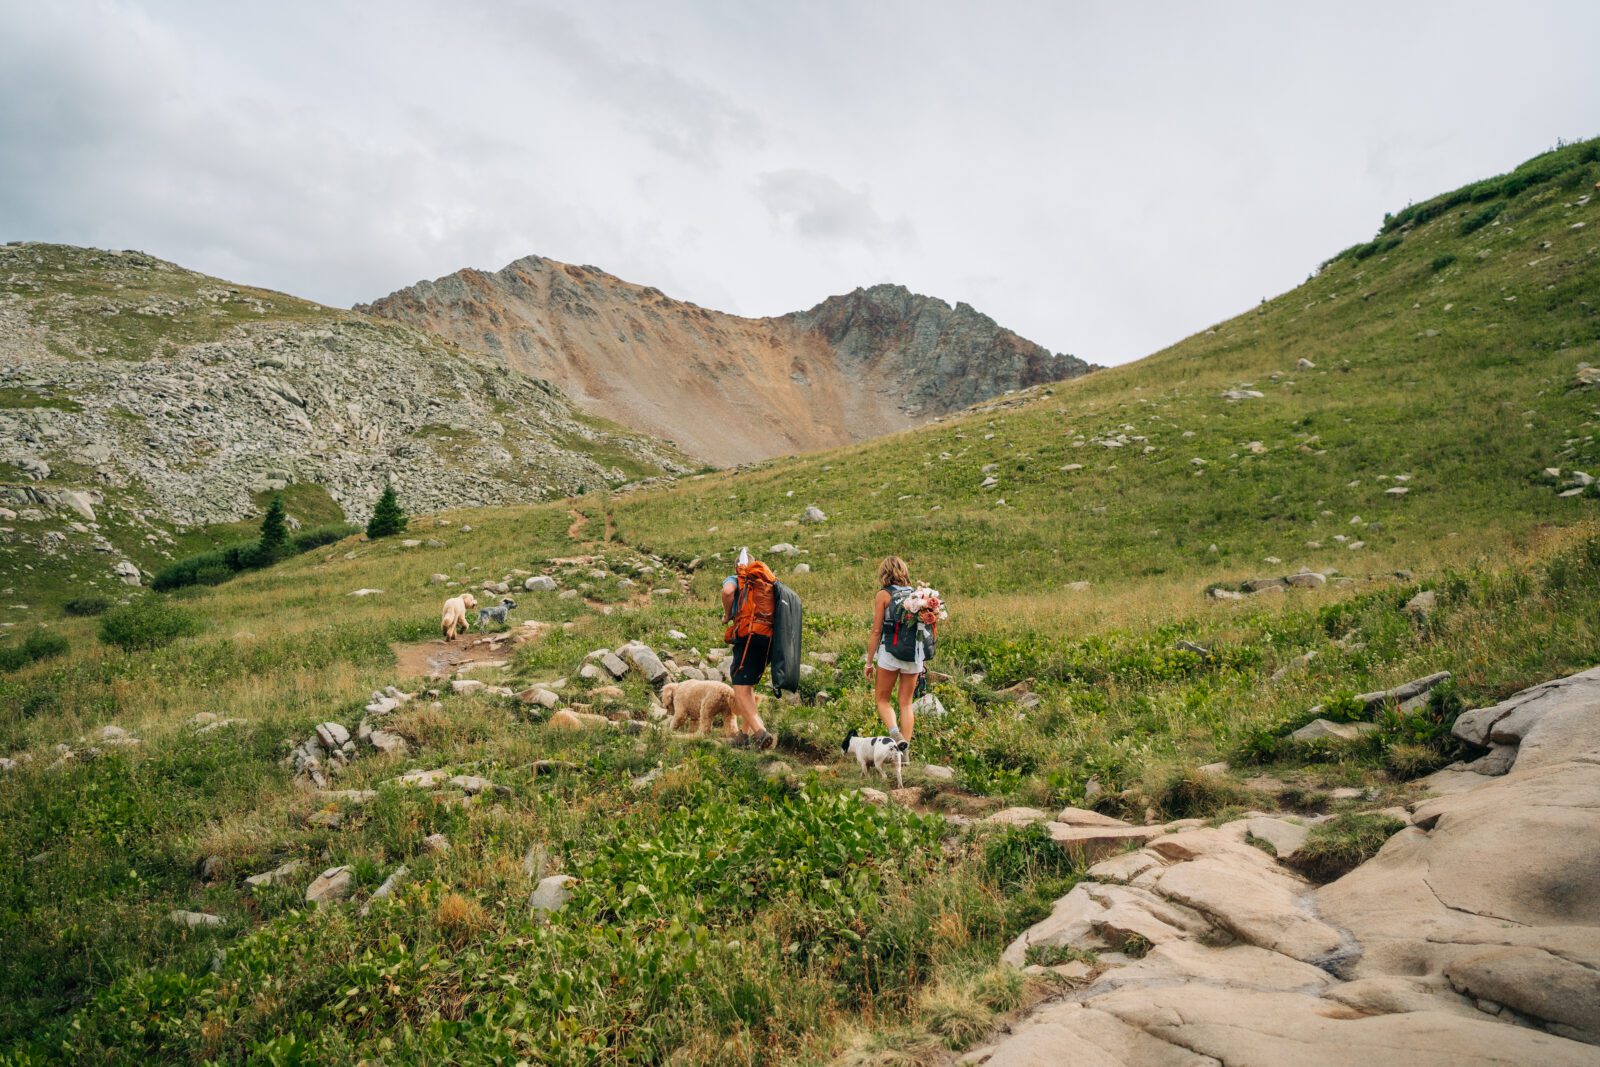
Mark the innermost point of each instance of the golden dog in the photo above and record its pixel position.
(454, 619)
(701, 704)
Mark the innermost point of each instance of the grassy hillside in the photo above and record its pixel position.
(732, 909)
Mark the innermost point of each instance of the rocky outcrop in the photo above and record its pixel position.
(855, 366)
(1473, 936)
(141, 393)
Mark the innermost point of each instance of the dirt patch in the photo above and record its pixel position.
(579, 521)
(441, 659)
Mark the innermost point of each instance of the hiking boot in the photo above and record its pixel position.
(741, 740)
(763, 741)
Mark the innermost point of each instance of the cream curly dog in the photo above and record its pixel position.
(454, 619)
(701, 704)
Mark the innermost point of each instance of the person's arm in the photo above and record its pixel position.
(728, 590)
(880, 603)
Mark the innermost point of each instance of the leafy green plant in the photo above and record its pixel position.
(1441, 262)
(1341, 844)
(147, 623)
(1018, 854)
(87, 605)
(1190, 794)
(39, 644)
(1479, 219)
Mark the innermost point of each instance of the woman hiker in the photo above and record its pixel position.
(893, 675)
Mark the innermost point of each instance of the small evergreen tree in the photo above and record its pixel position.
(387, 518)
(274, 531)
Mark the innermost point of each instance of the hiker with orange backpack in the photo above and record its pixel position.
(749, 607)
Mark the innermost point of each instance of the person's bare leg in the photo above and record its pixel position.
(908, 690)
(883, 690)
(745, 697)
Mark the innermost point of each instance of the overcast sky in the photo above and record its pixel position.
(1104, 178)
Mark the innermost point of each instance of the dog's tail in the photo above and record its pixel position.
(845, 747)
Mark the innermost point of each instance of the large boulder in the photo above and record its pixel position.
(644, 660)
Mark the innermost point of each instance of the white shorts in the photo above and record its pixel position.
(889, 663)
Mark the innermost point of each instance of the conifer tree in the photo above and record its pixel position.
(387, 518)
(274, 530)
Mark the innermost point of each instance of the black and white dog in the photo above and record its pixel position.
(498, 613)
(877, 751)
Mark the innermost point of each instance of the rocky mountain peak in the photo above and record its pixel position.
(872, 361)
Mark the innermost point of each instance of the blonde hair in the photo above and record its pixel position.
(893, 571)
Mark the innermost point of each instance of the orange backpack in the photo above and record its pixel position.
(753, 603)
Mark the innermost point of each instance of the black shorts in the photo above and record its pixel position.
(750, 655)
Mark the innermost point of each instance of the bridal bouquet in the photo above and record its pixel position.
(925, 598)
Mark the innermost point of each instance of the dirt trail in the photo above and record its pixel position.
(441, 659)
(579, 521)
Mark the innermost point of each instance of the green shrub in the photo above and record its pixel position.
(1343, 843)
(1190, 794)
(218, 565)
(1481, 219)
(317, 536)
(1019, 854)
(1441, 262)
(38, 645)
(147, 623)
(1373, 248)
(87, 605)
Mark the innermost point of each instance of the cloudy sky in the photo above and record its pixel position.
(1105, 178)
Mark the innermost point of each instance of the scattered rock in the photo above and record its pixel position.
(387, 743)
(567, 719)
(471, 784)
(813, 514)
(1422, 605)
(331, 885)
(1070, 816)
(540, 583)
(1324, 730)
(386, 890)
(194, 920)
(1285, 837)
(436, 844)
(552, 893)
(540, 696)
(421, 779)
(938, 773)
(274, 876)
(332, 735)
(1017, 817)
(644, 660)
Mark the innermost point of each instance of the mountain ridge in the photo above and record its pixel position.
(856, 365)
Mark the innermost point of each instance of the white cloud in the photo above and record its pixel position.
(817, 207)
(1104, 180)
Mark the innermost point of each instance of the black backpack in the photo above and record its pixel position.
(900, 628)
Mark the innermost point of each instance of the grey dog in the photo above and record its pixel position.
(498, 613)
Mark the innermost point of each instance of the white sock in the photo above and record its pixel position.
(894, 732)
